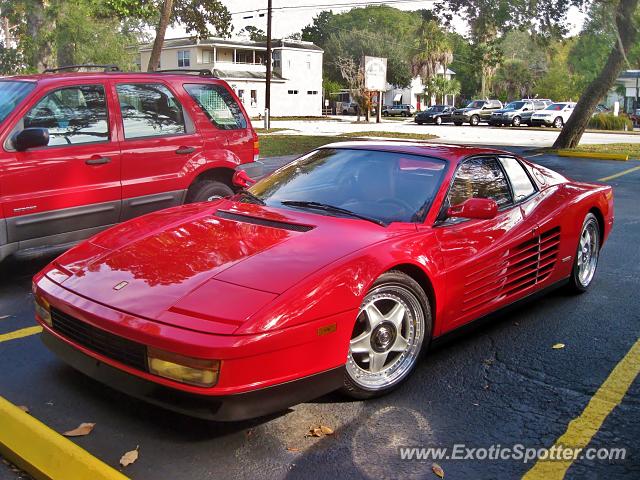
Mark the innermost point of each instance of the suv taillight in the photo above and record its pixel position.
(256, 150)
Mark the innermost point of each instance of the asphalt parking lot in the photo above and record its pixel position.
(501, 383)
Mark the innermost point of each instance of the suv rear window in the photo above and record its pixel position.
(11, 94)
(218, 104)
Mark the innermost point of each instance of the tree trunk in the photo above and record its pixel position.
(41, 54)
(6, 32)
(576, 125)
(165, 18)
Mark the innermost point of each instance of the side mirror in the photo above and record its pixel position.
(242, 180)
(477, 208)
(31, 138)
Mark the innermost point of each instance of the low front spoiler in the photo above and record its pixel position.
(240, 406)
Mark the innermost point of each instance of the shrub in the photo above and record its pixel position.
(606, 121)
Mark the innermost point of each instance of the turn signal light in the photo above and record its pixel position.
(43, 310)
(192, 371)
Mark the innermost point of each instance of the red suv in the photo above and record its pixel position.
(83, 151)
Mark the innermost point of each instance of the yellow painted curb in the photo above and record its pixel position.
(45, 454)
(602, 156)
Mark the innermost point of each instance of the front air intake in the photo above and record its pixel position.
(265, 222)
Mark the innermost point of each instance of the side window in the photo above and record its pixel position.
(73, 115)
(149, 110)
(520, 181)
(218, 104)
(480, 178)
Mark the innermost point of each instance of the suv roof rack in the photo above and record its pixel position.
(105, 68)
(203, 72)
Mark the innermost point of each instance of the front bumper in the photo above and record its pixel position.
(240, 406)
(537, 122)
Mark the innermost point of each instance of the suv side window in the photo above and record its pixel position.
(218, 104)
(520, 181)
(480, 178)
(73, 115)
(149, 110)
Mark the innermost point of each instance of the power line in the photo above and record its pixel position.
(333, 5)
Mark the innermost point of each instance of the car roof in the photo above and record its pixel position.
(47, 78)
(452, 153)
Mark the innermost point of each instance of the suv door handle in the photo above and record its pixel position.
(185, 150)
(97, 161)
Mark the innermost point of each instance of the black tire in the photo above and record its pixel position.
(417, 298)
(516, 122)
(558, 122)
(438, 120)
(576, 285)
(207, 191)
(457, 124)
(475, 121)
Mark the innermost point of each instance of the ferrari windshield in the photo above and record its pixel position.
(382, 186)
(11, 94)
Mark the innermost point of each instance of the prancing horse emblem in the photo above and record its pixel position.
(120, 285)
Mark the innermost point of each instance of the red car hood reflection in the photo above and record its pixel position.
(165, 258)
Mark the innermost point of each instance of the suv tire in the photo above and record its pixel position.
(558, 122)
(207, 191)
(516, 121)
(475, 120)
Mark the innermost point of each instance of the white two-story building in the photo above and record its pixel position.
(296, 81)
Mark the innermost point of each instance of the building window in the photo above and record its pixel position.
(184, 58)
(292, 92)
(308, 62)
(207, 56)
(241, 95)
(244, 56)
(276, 59)
(254, 98)
(312, 92)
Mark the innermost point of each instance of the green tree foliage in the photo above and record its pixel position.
(441, 86)
(559, 83)
(431, 51)
(254, 33)
(513, 80)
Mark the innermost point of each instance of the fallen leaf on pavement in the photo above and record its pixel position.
(293, 449)
(319, 431)
(129, 457)
(24, 408)
(437, 469)
(558, 346)
(82, 430)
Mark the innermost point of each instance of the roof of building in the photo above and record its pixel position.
(630, 74)
(244, 74)
(237, 42)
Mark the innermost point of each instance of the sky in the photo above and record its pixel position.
(287, 20)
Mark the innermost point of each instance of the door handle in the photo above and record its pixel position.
(185, 150)
(97, 161)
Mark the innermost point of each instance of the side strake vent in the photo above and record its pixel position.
(263, 221)
(518, 268)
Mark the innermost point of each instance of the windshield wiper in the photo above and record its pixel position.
(330, 208)
(247, 193)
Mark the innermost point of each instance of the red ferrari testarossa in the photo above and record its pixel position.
(337, 271)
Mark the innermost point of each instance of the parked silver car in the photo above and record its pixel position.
(402, 109)
(514, 112)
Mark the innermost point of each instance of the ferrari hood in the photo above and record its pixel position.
(148, 265)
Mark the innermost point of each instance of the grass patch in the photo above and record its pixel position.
(269, 130)
(275, 145)
(402, 135)
(281, 145)
(631, 149)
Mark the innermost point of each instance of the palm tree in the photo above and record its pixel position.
(431, 52)
(441, 86)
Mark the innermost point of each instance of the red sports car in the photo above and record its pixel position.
(337, 271)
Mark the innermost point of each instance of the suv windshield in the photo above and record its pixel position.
(515, 106)
(11, 94)
(385, 186)
(476, 104)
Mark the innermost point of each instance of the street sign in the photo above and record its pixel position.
(375, 73)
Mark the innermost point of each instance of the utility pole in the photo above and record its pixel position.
(267, 93)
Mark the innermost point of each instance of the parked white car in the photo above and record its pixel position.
(555, 115)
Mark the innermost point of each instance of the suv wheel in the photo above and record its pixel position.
(475, 120)
(558, 123)
(516, 121)
(207, 191)
(438, 120)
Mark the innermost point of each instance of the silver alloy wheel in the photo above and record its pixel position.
(516, 121)
(588, 250)
(558, 123)
(387, 338)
